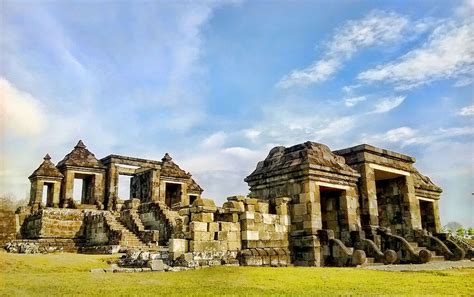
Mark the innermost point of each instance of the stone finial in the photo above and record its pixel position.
(47, 157)
(80, 144)
(167, 158)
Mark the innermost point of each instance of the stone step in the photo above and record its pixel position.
(371, 262)
(437, 258)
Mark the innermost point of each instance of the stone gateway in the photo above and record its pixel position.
(308, 206)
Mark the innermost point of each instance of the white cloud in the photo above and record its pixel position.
(252, 134)
(388, 104)
(217, 139)
(377, 28)
(349, 102)
(21, 113)
(333, 127)
(467, 111)
(408, 136)
(448, 54)
(465, 10)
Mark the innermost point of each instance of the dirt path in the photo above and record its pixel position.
(441, 265)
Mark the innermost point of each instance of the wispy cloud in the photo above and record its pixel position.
(448, 54)
(466, 111)
(349, 102)
(388, 104)
(405, 136)
(377, 28)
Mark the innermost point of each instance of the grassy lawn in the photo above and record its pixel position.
(68, 274)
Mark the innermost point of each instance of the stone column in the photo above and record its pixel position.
(56, 192)
(368, 193)
(36, 192)
(98, 190)
(350, 219)
(68, 185)
(411, 208)
(111, 188)
(184, 195)
(157, 188)
(437, 220)
(308, 210)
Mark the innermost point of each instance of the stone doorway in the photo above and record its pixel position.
(428, 221)
(83, 191)
(47, 196)
(332, 215)
(389, 190)
(173, 195)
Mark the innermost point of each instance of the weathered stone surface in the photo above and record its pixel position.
(307, 206)
(156, 265)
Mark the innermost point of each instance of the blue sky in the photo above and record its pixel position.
(218, 84)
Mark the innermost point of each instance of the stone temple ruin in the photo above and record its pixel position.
(308, 206)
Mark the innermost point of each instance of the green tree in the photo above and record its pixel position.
(460, 232)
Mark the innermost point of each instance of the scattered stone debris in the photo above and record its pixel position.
(30, 248)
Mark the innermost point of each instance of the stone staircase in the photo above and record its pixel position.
(434, 256)
(128, 239)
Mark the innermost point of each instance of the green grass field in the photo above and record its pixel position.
(68, 274)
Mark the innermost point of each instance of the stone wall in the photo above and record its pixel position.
(141, 185)
(7, 226)
(54, 223)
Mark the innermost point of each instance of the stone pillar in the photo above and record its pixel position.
(411, 208)
(437, 219)
(111, 188)
(162, 192)
(184, 195)
(157, 187)
(368, 194)
(309, 207)
(67, 187)
(98, 190)
(56, 192)
(36, 192)
(350, 219)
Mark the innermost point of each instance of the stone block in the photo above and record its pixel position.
(285, 220)
(213, 227)
(156, 265)
(249, 215)
(299, 209)
(250, 235)
(204, 246)
(202, 217)
(268, 218)
(198, 226)
(249, 207)
(178, 245)
(251, 201)
(225, 226)
(202, 236)
(235, 227)
(234, 245)
(236, 198)
(247, 225)
(281, 209)
(263, 207)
